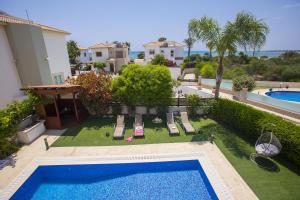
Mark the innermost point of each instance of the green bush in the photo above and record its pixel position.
(235, 72)
(193, 101)
(10, 118)
(208, 71)
(244, 81)
(99, 65)
(159, 59)
(249, 122)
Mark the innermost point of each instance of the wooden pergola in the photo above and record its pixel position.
(55, 91)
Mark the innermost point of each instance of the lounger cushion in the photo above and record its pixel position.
(139, 131)
(173, 129)
(188, 128)
(119, 130)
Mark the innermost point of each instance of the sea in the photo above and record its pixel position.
(270, 54)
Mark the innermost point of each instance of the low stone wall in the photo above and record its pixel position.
(277, 84)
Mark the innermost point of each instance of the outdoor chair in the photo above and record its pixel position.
(188, 128)
(267, 144)
(138, 126)
(119, 128)
(173, 130)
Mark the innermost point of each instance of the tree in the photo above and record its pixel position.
(259, 35)
(223, 39)
(159, 60)
(189, 43)
(149, 85)
(73, 52)
(252, 31)
(162, 39)
(141, 55)
(210, 46)
(96, 93)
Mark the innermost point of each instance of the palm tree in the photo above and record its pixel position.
(252, 32)
(259, 35)
(210, 46)
(224, 40)
(189, 43)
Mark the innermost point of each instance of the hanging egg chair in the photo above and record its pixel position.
(267, 144)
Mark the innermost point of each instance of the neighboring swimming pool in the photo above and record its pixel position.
(285, 95)
(150, 180)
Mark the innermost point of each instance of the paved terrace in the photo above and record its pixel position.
(232, 180)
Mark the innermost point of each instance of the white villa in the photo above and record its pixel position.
(113, 55)
(30, 54)
(171, 50)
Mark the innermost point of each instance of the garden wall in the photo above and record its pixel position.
(249, 122)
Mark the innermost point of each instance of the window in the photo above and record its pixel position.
(84, 54)
(119, 54)
(151, 52)
(172, 53)
(162, 51)
(98, 54)
(58, 78)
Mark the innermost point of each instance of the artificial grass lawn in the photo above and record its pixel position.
(93, 131)
(283, 183)
(280, 183)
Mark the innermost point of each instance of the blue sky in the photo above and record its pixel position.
(141, 21)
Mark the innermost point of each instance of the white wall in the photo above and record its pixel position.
(58, 57)
(10, 83)
(82, 58)
(103, 58)
(178, 52)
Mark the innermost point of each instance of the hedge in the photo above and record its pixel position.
(249, 121)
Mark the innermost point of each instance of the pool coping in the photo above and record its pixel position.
(214, 178)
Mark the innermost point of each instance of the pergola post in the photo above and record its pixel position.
(56, 108)
(75, 107)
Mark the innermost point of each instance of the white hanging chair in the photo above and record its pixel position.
(267, 144)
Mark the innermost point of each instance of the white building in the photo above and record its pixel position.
(113, 55)
(171, 50)
(30, 54)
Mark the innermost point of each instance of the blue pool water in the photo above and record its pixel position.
(153, 180)
(285, 95)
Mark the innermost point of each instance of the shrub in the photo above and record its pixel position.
(99, 65)
(96, 93)
(159, 60)
(208, 71)
(141, 55)
(10, 118)
(235, 72)
(256, 66)
(241, 82)
(249, 122)
(291, 73)
(193, 101)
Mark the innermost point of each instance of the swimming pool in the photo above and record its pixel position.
(285, 95)
(150, 180)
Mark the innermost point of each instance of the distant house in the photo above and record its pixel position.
(113, 55)
(171, 50)
(30, 54)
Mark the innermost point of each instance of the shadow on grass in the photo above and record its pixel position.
(92, 123)
(266, 164)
